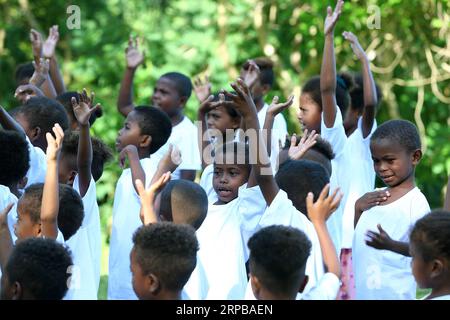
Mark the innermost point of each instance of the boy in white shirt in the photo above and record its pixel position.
(145, 130)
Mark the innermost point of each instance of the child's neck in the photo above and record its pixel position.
(177, 118)
(400, 190)
(259, 104)
(143, 153)
(442, 290)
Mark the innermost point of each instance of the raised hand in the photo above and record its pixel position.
(355, 45)
(252, 74)
(276, 108)
(296, 152)
(54, 145)
(202, 88)
(24, 92)
(147, 196)
(371, 199)
(134, 57)
(48, 49)
(324, 206)
(84, 109)
(4, 216)
(332, 17)
(380, 241)
(36, 44)
(242, 101)
(126, 153)
(40, 74)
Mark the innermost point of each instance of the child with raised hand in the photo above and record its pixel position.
(381, 268)
(145, 130)
(429, 247)
(359, 124)
(170, 95)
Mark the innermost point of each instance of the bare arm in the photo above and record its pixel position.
(188, 174)
(328, 70)
(8, 122)
(205, 107)
(6, 244)
(134, 58)
(382, 241)
(137, 172)
(48, 51)
(169, 163)
(370, 91)
(147, 196)
(50, 195)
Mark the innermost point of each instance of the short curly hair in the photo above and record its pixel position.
(402, 132)
(15, 157)
(167, 250)
(41, 266)
(278, 256)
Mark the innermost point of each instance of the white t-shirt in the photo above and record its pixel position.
(279, 132)
(91, 223)
(197, 286)
(125, 222)
(206, 182)
(382, 274)
(446, 297)
(223, 238)
(184, 136)
(362, 179)
(38, 164)
(6, 197)
(326, 289)
(341, 175)
(82, 285)
(283, 212)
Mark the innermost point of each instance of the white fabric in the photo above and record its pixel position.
(341, 174)
(125, 222)
(197, 286)
(283, 212)
(362, 179)
(82, 279)
(91, 223)
(382, 274)
(6, 197)
(206, 182)
(279, 132)
(326, 289)
(223, 238)
(38, 164)
(446, 297)
(184, 136)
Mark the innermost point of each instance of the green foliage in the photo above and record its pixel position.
(216, 36)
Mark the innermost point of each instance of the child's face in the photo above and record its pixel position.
(130, 133)
(166, 97)
(392, 162)
(220, 119)
(25, 227)
(420, 268)
(139, 279)
(227, 179)
(309, 114)
(66, 174)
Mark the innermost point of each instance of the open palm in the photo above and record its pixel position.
(133, 55)
(48, 49)
(83, 110)
(332, 17)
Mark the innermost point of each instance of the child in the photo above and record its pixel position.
(36, 270)
(429, 247)
(145, 130)
(382, 274)
(180, 202)
(66, 100)
(171, 94)
(23, 73)
(162, 260)
(14, 161)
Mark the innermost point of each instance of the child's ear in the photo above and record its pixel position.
(146, 140)
(236, 123)
(416, 156)
(182, 101)
(16, 291)
(153, 285)
(71, 177)
(437, 268)
(304, 283)
(35, 133)
(256, 286)
(265, 89)
(38, 229)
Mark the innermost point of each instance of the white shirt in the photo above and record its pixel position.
(197, 286)
(223, 238)
(341, 174)
(184, 136)
(362, 179)
(38, 164)
(279, 132)
(125, 222)
(382, 274)
(206, 182)
(82, 278)
(91, 223)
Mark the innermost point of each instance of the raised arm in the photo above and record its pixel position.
(147, 196)
(370, 91)
(168, 163)
(297, 151)
(41, 78)
(48, 51)
(274, 109)
(50, 195)
(205, 107)
(134, 58)
(6, 244)
(83, 112)
(328, 70)
(8, 122)
(318, 213)
(137, 172)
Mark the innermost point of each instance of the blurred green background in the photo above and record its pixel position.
(410, 54)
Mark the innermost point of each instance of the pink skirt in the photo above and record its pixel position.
(347, 289)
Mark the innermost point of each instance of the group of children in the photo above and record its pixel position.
(271, 218)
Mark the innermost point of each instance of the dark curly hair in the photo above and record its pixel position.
(401, 132)
(71, 211)
(15, 158)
